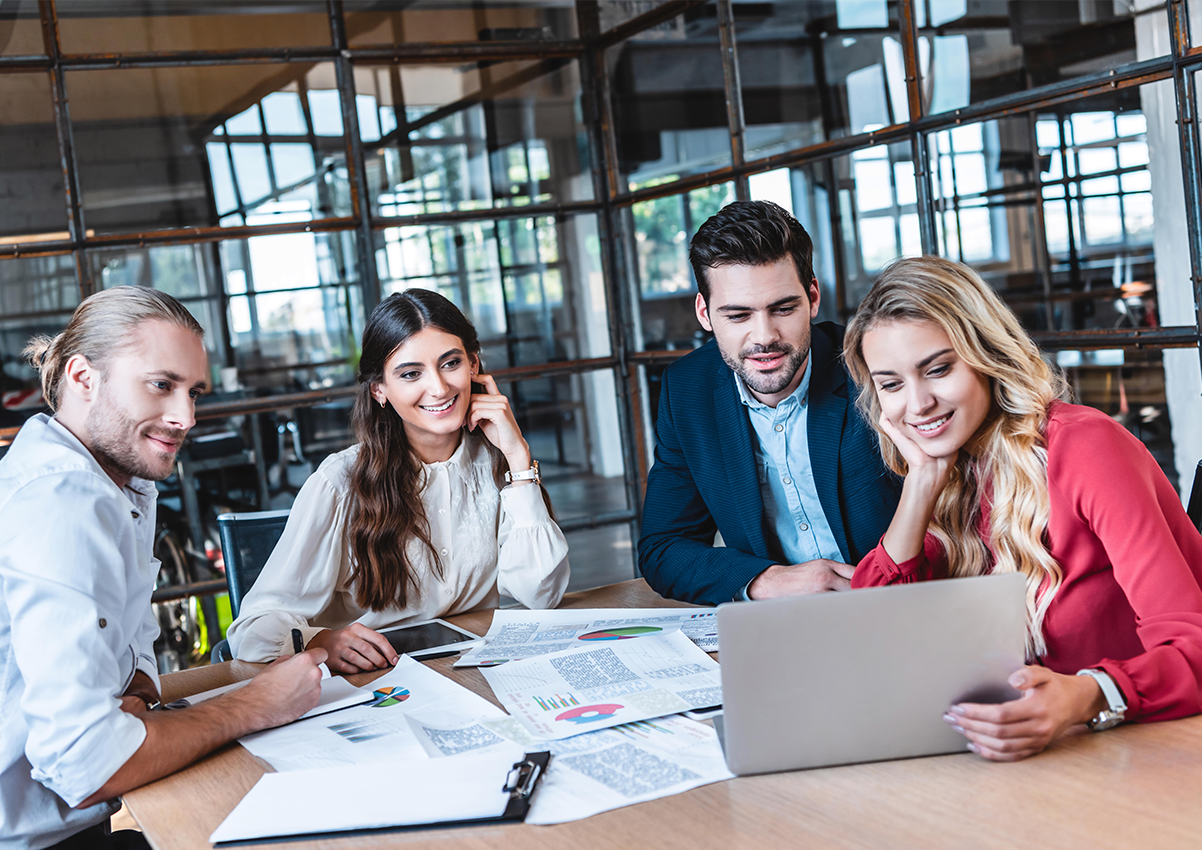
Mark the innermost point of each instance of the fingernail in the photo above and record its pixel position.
(973, 748)
(948, 718)
(959, 729)
(958, 709)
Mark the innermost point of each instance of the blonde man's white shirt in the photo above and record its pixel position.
(76, 574)
(487, 541)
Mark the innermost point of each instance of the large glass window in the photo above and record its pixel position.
(208, 146)
(388, 22)
(530, 285)
(33, 206)
(809, 75)
(86, 26)
(444, 138)
(971, 52)
(669, 101)
(20, 29)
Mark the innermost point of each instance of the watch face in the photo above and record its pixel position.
(1105, 720)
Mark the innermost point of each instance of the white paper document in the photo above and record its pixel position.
(354, 797)
(516, 634)
(573, 691)
(378, 730)
(607, 769)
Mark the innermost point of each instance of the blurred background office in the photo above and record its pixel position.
(281, 166)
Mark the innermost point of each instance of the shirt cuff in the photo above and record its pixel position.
(525, 504)
(93, 760)
(743, 595)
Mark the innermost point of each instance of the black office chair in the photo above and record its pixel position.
(247, 540)
(1195, 499)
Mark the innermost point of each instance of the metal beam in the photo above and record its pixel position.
(732, 83)
(365, 249)
(1185, 92)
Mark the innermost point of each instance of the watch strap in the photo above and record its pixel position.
(531, 474)
(1116, 705)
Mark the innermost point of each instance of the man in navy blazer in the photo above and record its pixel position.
(758, 437)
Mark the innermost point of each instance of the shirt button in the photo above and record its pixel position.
(442, 510)
(788, 480)
(780, 427)
(804, 527)
(444, 551)
(103, 622)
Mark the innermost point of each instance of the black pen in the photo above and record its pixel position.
(298, 643)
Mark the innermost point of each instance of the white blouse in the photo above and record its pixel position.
(488, 542)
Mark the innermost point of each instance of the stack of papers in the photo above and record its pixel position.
(597, 705)
(572, 691)
(516, 634)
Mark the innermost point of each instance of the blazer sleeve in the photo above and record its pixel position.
(1156, 556)
(300, 578)
(676, 551)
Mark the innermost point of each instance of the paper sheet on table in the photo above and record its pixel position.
(608, 769)
(352, 797)
(516, 634)
(336, 694)
(379, 730)
(573, 691)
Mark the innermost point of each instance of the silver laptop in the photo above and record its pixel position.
(866, 675)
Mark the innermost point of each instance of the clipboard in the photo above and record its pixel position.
(360, 799)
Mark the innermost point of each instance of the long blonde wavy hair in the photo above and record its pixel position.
(1009, 462)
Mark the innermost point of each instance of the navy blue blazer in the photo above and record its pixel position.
(704, 477)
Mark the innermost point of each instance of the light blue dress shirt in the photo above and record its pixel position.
(782, 458)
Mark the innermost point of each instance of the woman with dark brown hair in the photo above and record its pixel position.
(416, 520)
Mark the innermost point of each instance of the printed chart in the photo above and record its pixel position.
(612, 682)
(515, 635)
(621, 633)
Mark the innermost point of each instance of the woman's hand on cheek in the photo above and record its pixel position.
(492, 414)
(1051, 703)
(932, 473)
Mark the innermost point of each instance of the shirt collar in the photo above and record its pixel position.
(460, 459)
(801, 394)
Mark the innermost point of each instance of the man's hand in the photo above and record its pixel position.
(799, 579)
(355, 649)
(1050, 705)
(282, 692)
(142, 687)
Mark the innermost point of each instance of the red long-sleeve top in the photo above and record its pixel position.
(1131, 599)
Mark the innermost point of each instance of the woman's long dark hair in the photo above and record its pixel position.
(386, 478)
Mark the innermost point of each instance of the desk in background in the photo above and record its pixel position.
(1132, 787)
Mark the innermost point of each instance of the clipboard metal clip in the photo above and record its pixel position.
(524, 775)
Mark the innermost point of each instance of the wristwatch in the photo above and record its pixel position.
(530, 474)
(1116, 710)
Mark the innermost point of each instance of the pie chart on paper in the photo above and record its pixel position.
(590, 713)
(624, 633)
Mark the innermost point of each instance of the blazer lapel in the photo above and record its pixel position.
(827, 418)
(738, 455)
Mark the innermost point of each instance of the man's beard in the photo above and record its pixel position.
(114, 439)
(766, 384)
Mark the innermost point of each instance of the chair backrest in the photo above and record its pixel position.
(246, 543)
(1195, 498)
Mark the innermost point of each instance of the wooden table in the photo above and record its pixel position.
(1131, 787)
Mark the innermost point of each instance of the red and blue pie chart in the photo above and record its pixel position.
(590, 713)
(623, 633)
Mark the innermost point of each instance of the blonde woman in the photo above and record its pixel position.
(1002, 476)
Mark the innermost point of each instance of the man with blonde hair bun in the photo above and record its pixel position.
(78, 680)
